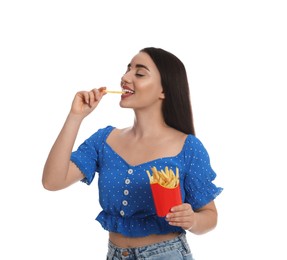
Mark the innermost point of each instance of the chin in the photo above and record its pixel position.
(122, 105)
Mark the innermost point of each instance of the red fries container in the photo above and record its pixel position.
(165, 198)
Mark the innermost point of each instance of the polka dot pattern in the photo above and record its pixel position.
(124, 191)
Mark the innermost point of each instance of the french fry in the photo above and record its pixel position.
(148, 173)
(166, 178)
(114, 91)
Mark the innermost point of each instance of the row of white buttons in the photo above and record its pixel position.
(126, 192)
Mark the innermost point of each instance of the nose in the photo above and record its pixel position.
(125, 79)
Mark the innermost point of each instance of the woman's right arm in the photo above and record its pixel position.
(59, 172)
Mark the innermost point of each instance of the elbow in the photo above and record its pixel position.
(213, 220)
(207, 221)
(48, 185)
(50, 181)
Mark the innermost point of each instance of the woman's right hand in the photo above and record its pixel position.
(86, 101)
(59, 172)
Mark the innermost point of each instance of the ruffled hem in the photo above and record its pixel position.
(205, 197)
(136, 227)
(88, 178)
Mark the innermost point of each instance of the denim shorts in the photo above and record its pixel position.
(173, 249)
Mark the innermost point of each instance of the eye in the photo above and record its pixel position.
(140, 73)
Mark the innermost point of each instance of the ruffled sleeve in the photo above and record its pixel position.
(86, 157)
(198, 183)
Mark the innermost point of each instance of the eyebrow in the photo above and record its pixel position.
(139, 66)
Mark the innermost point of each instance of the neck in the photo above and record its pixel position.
(151, 124)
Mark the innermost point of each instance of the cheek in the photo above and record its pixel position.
(150, 87)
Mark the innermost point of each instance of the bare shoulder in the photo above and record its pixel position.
(119, 132)
(176, 135)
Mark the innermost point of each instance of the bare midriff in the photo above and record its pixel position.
(129, 242)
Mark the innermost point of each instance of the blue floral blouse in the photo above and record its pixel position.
(124, 190)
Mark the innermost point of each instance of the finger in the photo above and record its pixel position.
(86, 97)
(181, 210)
(183, 224)
(98, 93)
(178, 216)
(95, 94)
(180, 219)
(181, 207)
(92, 96)
(102, 90)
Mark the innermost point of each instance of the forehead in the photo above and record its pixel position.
(144, 59)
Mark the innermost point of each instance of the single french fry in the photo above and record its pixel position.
(114, 91)
(155, 174)
(148, 173)
(166, 171)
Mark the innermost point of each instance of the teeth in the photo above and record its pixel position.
(128, 91)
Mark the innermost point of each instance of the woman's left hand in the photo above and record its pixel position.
(181, 216)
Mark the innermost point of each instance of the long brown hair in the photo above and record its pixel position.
(177, 109)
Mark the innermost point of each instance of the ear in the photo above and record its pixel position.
(162, 96)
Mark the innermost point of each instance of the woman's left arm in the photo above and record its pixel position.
(198, 222)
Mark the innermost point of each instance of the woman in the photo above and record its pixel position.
(155, 86)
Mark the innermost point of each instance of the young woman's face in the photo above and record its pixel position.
(142, 83)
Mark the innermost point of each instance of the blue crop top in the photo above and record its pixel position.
(124, 190)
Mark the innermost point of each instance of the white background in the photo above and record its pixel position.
(236, 59)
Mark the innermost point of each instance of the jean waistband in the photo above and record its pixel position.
(177, 242)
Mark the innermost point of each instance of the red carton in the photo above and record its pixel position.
(165, 198)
